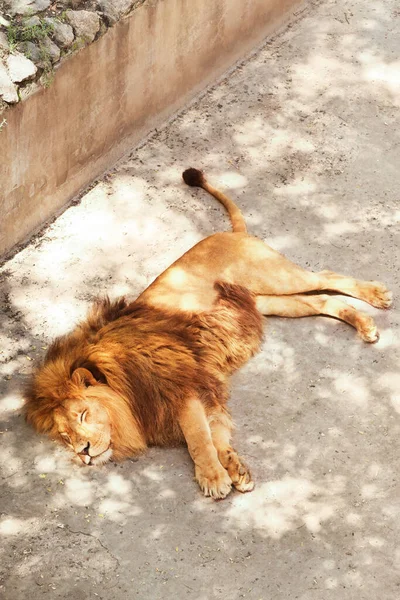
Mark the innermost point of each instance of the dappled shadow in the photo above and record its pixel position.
(303, 136)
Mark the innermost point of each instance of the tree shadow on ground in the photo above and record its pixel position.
(299, 134)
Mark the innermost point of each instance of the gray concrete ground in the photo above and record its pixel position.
(304, 136)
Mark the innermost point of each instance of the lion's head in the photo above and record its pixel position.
(83, 422)
(85, 414)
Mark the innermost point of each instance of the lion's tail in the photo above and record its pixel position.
(196, 178)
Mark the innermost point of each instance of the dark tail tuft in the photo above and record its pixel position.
(193, 177)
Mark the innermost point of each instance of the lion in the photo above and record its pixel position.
(157, 370)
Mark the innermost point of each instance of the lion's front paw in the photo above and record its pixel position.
(243, 481)
(237, 470)
(214, 483)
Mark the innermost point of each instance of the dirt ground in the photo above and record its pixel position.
(304, 136)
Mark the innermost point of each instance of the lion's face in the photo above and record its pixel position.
(85, 413)
(84, 426)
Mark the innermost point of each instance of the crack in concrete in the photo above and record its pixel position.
(68, 528)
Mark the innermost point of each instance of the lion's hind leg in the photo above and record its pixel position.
(210, 475)
(303, 305)
(373, 292)
(221, 432)
(265, 271)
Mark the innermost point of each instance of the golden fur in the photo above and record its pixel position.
(156, 370)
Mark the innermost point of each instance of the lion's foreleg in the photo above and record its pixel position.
(221, 432)
(211, 476)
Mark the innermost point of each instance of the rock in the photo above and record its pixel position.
(4, 21)
(23, 7)
(31, 22)
(8, 91)
(30, 88)
(3, 41)
(86, 24)
(30, 50)
(62, 32)
(115, 9)
(74, 4)
(51, 49)
(42, 55)
(20, 68)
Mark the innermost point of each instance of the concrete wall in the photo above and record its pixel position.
(109, 95)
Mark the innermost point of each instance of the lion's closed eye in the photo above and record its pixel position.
(82, 416)
(66, 438)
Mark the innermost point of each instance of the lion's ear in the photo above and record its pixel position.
(83, 376)
(87, 372)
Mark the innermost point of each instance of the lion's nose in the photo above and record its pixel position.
(84, 454)
(86, 449)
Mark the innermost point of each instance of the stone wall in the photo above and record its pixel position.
(36, 35)
(153, 57)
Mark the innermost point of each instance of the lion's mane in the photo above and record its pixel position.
(146, 362)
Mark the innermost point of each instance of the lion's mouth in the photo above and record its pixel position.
(100, 459)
